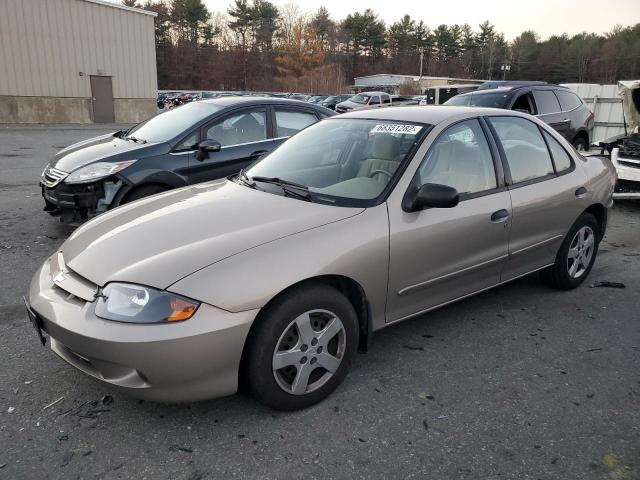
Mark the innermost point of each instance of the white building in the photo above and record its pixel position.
(391, 83)
(76, 61)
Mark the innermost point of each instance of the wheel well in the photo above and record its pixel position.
(582, 134)
(349, 288)
(600, 213)
(123, 198)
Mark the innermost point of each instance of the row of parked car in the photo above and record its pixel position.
(271, 278)
(176, 148)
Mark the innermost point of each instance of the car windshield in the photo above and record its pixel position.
(360, 99)
(170, 124)
(494, 100)
(343, 161)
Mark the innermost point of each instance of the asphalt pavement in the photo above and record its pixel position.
(522, 382)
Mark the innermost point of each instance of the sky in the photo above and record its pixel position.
(547, 17)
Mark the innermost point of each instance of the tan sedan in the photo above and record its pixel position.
(276, 276)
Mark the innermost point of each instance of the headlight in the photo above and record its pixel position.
(126, 302)
(97, 170)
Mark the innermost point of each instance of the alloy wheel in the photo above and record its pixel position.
(309, 352)
(580, 252)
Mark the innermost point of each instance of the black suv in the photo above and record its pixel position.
(332, 101)
(558, 106)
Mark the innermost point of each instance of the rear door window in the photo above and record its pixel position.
(289, 122)
(546, 101)
(526, 151)
(560, 156)
(374, 100)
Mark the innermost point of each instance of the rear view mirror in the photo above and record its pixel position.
(207, 146)
(430, 195)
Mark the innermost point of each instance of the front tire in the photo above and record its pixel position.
(302, 347)
(576, 255)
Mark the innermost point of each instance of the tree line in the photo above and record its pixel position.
(255, 45)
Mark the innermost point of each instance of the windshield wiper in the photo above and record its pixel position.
(135, 139)
(244, 178)
(290, 189)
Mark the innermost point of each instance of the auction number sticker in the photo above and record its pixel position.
(396, 128)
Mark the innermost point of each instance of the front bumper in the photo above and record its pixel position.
(187, 361)
(628, 170)
(77, 203)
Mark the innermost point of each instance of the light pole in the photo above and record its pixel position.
(505, 67)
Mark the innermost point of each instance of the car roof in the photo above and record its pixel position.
(430, 114)
(514, 88)
(228, 101)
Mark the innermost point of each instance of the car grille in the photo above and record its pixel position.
(70, 282)
(628, 162)
(52, 176)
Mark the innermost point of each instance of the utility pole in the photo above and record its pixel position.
(421, 59)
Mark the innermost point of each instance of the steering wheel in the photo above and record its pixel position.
(384, 172)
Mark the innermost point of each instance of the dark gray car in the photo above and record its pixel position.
(557, 106)
(193, 143)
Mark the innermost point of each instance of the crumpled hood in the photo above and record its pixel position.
(629, 91)
(161, 239)
(96, 149)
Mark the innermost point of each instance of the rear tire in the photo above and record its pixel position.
(580, 144)
(576, 255)
(141, 192)
(303, 331)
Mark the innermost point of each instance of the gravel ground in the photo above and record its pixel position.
(521, 382)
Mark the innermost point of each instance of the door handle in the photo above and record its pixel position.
(500, 216)
(581, 192)
(257, 154)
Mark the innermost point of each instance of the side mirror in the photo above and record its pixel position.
(206, 146)
(430, 195)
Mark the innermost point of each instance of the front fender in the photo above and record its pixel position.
(159, 177)
(356, 247)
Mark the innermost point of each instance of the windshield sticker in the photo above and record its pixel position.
(396, 128)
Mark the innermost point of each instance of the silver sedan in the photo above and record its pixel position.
(275, 277)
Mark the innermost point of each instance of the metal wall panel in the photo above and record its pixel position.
(46, 44)
(605, 103)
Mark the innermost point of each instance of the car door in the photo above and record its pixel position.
(548, 192)
(290, 120)
(439, 255)
(570, 104)
(182, 156)
(550, 112)
(244, 134)
(374, 102)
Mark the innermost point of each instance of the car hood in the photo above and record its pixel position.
(95, 149)
(348, 104)
(159, 240)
